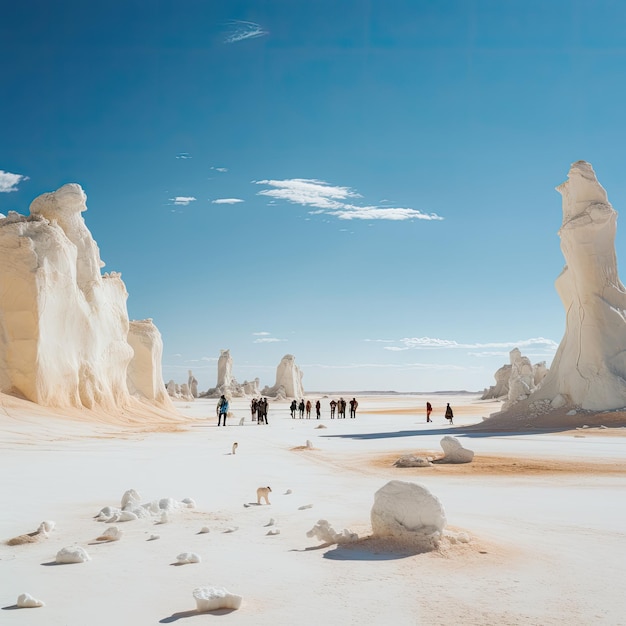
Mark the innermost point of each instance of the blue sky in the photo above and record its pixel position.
(367, 184)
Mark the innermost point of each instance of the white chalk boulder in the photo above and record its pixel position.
(409, 513)
(74, 554)
(188, 557)
(454, 452)
(26, 601)
(214, 598)
(327, 534)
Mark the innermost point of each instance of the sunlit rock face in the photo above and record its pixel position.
(63, 325)
(288, 380)
(145, 378)
(589, 368)
(224, 370)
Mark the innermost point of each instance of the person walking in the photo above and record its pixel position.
(341, 408)
(429, 410)
(254, 405)
(308, 409)
(333, 408)
(222, 410)
(301, 408)
(449, 413)
(293, 407)
(353, 405)
(318, 409)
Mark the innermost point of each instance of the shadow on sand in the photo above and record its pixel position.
(183, 614)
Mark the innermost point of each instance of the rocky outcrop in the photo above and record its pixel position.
(589, 368)
(65, 336)
(288, 380)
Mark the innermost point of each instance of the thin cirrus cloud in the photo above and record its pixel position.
(183, 155)
(427, 343)
(183, 200)
(240, 30)
(336, 201)
(227, 201)
(220, 169)
(9, 181)
(265, 337)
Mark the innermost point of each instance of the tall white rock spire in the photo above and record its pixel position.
(589, 368)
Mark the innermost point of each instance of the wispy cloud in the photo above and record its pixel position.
(428, 343)
(9, 181)
(227, 201)
(220, 169)
(183, 200)
(239, 30)
(336, 201)
(265, 337)
(183, 155)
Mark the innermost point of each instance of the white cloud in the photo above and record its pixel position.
(263, 333)
(220, 169)
(183, 200)
(335, 201)
(268, 340)
(240, 31)
(308, 192)
(417, 343)
(227, 201)
(9, 182)
(183, 155)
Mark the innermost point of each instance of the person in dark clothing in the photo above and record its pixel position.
(341, 407)
(222, 410)
(293, 408)
(264, 417)
(449, 413)
(333, 408)
(254, 405)
(318, 409)
(429, 410)
(301, 408)
(353, 405)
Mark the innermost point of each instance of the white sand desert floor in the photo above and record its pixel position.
(546, 513)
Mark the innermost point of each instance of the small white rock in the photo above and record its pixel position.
(26, 601)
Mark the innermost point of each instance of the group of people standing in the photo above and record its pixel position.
(340, 407)
(449, 414)
(258, 408)
(302, 407)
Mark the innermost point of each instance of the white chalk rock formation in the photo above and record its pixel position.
(288, 380)
(224, 370)
(407, 513)
(192, 382)
(226, 382)
(188, 557)
(42, 532)
(454, 452)
(589, 368)
(74, 554)
(111, 534)
(26, 601)
(145, 379)
(517, 380)
(63, 325)
(412, 460)
(327, 534)
(214, 598)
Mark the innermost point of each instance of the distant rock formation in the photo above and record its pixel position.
(589, 367)
(517, 380)
(288, 380)
(65, 336)
(193, 384)
(224, 370)
(227, 384)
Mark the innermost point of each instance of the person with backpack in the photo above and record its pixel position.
(222, 410)
(449, 413)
